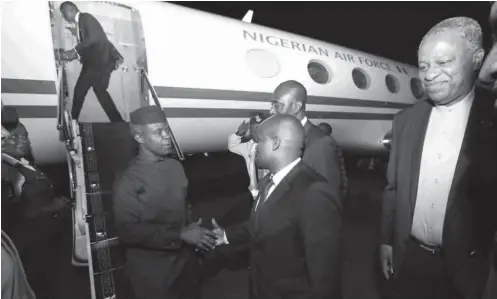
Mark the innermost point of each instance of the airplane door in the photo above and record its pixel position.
(122, 25)
(127, 41)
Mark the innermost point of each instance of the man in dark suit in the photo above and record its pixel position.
(99, 58)
(321, 151)
(488, 76)
(488, 73)
(438, 213)
(326, 127)
(151, 215)
(294, 232)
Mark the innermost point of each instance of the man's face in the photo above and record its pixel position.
(69, 15)
(446, 67)
(157, 139)
(263, 149)
(283, 104)
(16, 145)
(488, 73)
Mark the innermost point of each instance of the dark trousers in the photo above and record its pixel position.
(99, 80)
(188, 283)
(34, 239)
(423, 275)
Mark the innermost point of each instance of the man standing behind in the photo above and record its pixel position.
(150, 212)
(242, 143)
(99, 58)
(343, 172)
(488, 76)
(321, 152)
(439, 211)
(295, 228)
(488, 73)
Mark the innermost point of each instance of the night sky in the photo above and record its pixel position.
(388, 29)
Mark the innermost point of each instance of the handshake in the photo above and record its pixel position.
(203, 238)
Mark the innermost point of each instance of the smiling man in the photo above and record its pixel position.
(151, 215)
(438, 212)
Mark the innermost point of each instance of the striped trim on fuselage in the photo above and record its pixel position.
(21, 86)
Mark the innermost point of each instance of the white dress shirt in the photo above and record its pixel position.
(76, 18)
(277, 178)
(303, 121)
(442, 144)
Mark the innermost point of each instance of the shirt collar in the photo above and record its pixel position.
(304, 121)
(278, 177)
(464, 104)
(76, 18)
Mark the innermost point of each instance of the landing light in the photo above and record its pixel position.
(387, 140)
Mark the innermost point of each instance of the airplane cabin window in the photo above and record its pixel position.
(392, 83)
(361, 78)
(262, 63)
(318, 72)
(417, 88)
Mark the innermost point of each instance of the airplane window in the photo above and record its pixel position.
(417, 88)
(361, 78)
(262, 63)
(318, 72)
(392, 83)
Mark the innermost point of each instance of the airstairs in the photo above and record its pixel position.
(96, 154)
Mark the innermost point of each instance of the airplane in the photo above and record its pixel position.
(207, 72)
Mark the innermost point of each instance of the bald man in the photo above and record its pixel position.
(439, 210)
(295, 228)
(488, 73)
(321, 150)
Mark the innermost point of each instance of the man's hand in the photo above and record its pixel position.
(220, 233)
(386, 259)
(69, 55)
(243, 129)
(201, 237)
(118, 63)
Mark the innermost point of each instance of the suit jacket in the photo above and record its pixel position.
(321, 153)
(94, 48)
(295, 239)
(471, 207)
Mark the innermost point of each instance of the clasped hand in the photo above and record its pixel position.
(201, 237)
(69, 55)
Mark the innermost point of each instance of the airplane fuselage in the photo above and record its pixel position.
(210, 73)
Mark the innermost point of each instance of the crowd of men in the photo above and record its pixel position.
(439, 208)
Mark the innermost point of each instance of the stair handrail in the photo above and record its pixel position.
(62, 124)
(177, 148)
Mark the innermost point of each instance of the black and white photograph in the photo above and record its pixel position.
(249, 150)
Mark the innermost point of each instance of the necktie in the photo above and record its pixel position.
(265, 191)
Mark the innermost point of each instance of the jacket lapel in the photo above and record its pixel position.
(469, 144)
(417, 142)
(307, 128)
(278, 193)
